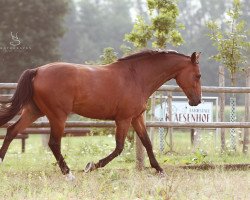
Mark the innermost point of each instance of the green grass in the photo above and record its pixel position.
(35, 175)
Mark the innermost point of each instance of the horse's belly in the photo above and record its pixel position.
(110, 111)
(94, 111)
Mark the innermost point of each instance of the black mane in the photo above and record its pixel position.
(149, 53)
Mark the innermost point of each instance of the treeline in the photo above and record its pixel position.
(29, 34)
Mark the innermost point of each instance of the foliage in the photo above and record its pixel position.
(126, 50)
(162, 29)
(35, 26)
(140, 35)
(199, 156)
(109, 55)
(102, 131)
(232, 42)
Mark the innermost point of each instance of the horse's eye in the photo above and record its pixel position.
(198, 76)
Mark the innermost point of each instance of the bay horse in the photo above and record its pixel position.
(118, 91)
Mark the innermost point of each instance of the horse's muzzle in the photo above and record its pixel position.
(194, 102)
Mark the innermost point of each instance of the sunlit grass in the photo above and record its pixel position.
(35, 175)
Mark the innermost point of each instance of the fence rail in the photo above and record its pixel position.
(107, 124)
(8, 86)
(171, 88)
(208, 89)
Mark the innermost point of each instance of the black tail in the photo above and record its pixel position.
(22, 96)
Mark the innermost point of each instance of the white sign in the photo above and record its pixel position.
(182, 112)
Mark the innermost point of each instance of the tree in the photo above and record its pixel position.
(162, 29)
(231, 43)
(29, 34)
(109, 55)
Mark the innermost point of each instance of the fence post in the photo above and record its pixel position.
(152, 118)
(247, 117)
(140, 151)
(192, 136)
(23, 144)
(45, 137)
(161, 130)
(197, 139)
(222, 106)
(170, 129)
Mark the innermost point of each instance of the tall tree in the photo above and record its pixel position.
(29, 34)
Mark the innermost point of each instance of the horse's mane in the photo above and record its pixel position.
(149, 52)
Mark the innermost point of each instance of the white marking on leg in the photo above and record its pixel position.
(1, 160)
(70, 176)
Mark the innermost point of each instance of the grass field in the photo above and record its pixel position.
(35, 175)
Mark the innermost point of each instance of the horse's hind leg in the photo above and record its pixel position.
(29, 114)
(57, 130)
(121, 133)
(140, 128)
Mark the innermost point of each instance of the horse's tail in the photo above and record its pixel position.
(22, 96)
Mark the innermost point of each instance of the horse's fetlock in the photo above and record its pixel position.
(119, 149)
(65, 170)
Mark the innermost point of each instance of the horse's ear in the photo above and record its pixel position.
(195, 57)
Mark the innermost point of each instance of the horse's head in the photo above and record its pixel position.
(188, 79)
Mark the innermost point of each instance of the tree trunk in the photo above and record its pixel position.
(233, 81)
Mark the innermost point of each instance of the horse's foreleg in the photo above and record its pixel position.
(140, 128)
(121, 133)
(28, 116)
(57, 130)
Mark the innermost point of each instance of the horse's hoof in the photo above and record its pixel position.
(90, 167)
(162, 174)
(70, 177)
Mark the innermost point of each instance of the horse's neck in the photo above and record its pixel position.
(156, 74)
